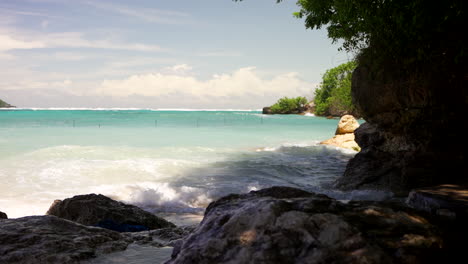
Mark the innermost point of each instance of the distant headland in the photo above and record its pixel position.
(4, 104)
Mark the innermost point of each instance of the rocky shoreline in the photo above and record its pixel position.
(274, 225)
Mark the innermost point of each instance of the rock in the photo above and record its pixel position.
(49, 239)
(347, 124)
(266, 110)
(412, 139)
(163, 237)
(342, 141)
(446, 200)
(99, 210)
(3, 215)
(344, 136)
(286, 225)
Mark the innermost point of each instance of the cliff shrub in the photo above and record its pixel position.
(333, 97)
(287, 105)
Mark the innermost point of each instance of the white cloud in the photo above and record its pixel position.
(145, 14)
(9, 43)
(21, 40)
(244, 82)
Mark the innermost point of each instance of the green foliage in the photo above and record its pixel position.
(412, 31)
(4, 104)
(333, 97)
(397, 27)
(287, 105)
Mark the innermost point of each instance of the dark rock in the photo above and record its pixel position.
(163, 237)
(49, 239)
(283, 225)
(446, 200)
(412, 138)
(3, 215)
(266, 110)
(99, 210)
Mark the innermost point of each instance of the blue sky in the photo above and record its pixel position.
(158, 53)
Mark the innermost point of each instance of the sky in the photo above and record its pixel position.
(205, 54)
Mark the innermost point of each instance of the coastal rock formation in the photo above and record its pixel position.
(448, 200)
(3, 215)
(4, 104)
(344, 134)
(287, 225)
(266, 110)
(49, 239)
(412, 138)
(99, 210)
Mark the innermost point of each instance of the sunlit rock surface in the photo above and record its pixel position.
(344, 135)
(448, 199)
(287, 225)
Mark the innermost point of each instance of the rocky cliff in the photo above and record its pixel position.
(413, 135)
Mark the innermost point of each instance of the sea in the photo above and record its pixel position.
(171, 162)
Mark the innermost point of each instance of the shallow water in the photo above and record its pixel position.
(173, 163)
(169, 162)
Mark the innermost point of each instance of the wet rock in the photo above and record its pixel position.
(49, 239)
(164, 237)
(99, 210)
(286, 225)
(3, 215)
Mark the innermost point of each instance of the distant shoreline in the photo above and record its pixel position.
(130, 109)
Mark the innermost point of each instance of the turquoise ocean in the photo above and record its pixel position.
(170, 162)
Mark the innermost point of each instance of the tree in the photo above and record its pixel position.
(287, 105)
(333, 97)
(407, 30)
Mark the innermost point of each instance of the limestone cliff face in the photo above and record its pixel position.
(412, 135)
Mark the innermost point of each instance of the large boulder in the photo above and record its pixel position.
(99, 210)
(344, 134)
(287, 225)
(3, 215)
(49, 239)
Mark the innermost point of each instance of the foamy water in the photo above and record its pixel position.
(173, 163)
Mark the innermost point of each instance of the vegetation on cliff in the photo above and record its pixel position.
(333, 96)
(287, 105)
(4, 104)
